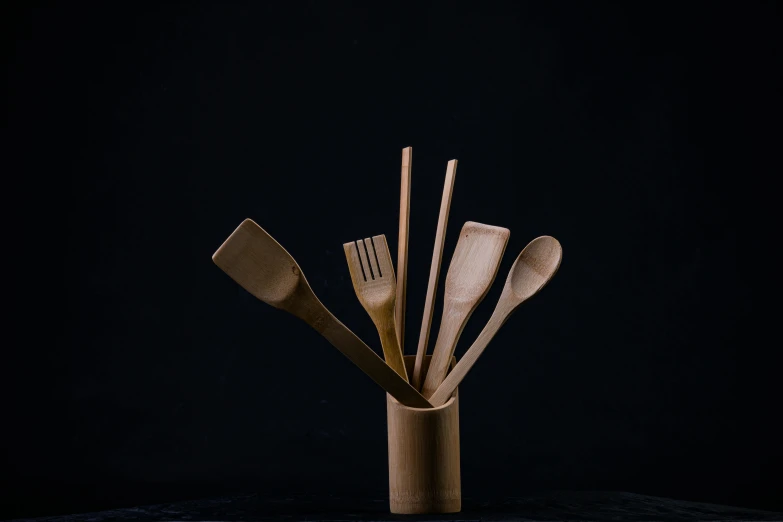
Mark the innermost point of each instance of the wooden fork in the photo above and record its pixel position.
(373, 280)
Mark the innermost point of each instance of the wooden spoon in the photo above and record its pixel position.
(473, 268)
(252, 258)
(532, 270)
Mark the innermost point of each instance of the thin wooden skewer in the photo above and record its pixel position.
(402, 246)
(432, 285)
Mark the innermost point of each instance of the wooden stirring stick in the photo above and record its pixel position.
(432, 285)
(402, 246)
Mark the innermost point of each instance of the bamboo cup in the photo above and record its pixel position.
(424, 474)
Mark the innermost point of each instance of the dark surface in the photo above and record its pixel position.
(561, 506)
(643, 135)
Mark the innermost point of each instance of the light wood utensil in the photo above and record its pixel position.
(473, 267)
(372, 274)
(402, 245)
(432, 285)
(252, 258)
(532, 270)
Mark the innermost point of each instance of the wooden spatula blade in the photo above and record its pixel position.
(475, 262)
(252, 258)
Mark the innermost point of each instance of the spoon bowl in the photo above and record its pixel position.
(535, 266)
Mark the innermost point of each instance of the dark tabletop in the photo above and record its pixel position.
(561, 506)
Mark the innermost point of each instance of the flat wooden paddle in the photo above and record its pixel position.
(532, 270)
(473, 268)
(252, 258)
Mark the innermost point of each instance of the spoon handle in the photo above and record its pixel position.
(446, 389)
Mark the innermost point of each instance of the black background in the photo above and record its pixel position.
(138, 137)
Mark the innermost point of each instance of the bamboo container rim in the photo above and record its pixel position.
(437, 408)
(409, 360)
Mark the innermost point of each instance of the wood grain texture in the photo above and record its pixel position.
(534, 267)
(402, 245)
(372, 274)
(424, 456)
(432, 285)
(472, 270)
(252, 258)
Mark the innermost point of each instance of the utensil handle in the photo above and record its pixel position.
(432, 285)
(391, 349)
(402, 245)
(368, 361)
(450, 330)
(455, 376)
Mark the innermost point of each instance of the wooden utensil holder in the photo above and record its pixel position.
(424, 473)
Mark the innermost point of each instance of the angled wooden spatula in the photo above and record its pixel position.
(372, 274)
(473, 268)
(252, 258)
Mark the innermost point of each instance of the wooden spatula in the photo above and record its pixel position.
(252, 258)
(372, 274)
(473, 268)
(534, 267)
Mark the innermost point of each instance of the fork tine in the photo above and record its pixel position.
(383, 256)
(370, 242)
(373, 258)
(354, 263)
(368, 273)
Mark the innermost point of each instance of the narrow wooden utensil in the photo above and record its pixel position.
(535, 266)
(473, 268)
(402, 245)
(252, 258)
(432, 285)
(372, 274)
